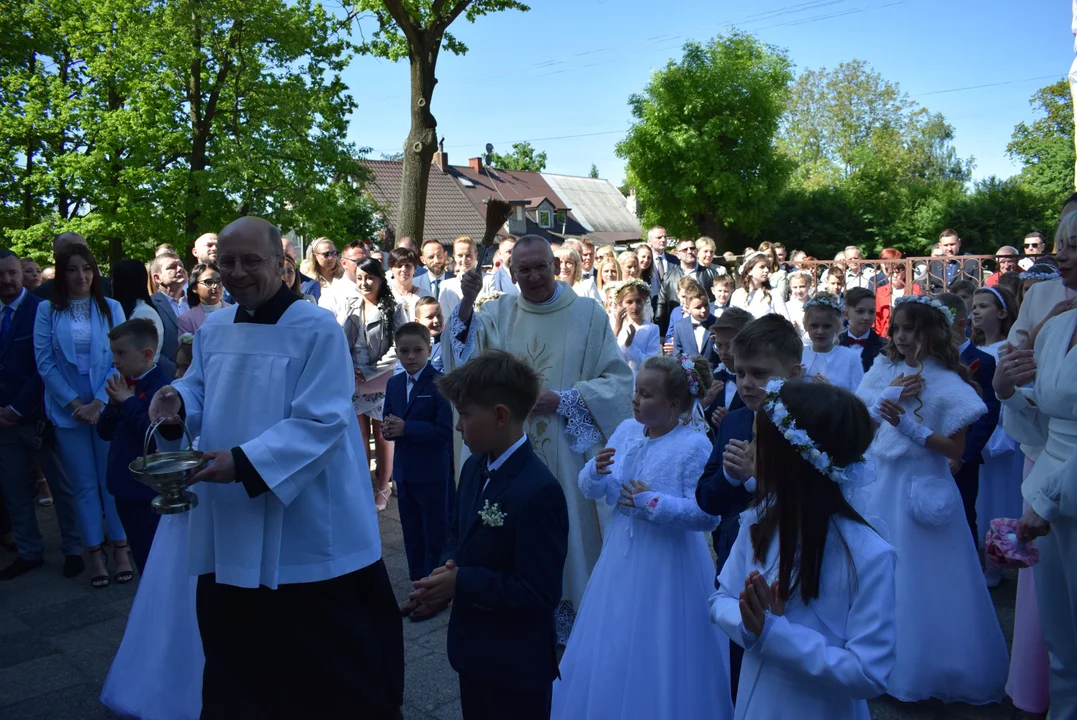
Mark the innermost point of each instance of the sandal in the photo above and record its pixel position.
(381, 498)
(100, 581)
(122, 577)
(44, 495)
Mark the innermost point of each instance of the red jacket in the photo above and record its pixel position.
(882, 307)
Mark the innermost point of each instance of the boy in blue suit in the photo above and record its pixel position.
(860, 316)
(966, 471)
(767, 348)
(726, 398)
(124, 423)
(419, 422)
(505, 555)
(691, 334)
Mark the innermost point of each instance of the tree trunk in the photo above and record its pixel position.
(707, 223)
(421, 143)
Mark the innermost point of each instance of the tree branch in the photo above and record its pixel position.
(405, 22)
(448, 18)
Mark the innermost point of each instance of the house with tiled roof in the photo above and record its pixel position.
(457, 196)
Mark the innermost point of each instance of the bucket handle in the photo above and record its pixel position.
(153, 428)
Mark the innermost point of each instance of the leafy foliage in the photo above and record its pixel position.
(523, 157)
(701, 151)
(593, 172)
(1045, 147)
(138, 122)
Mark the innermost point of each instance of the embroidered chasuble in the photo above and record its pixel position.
(568, 342)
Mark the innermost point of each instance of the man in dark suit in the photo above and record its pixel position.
(943, 272)
(46, 289)
(418, 420)
(981, 366)
(21, 410)
(688, 267)
(170, 300)
(436, 263)
(506, 550)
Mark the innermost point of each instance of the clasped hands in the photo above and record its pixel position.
(756, 599)
(392, 427)
(438, 588)
(86, 413)
(118, 390)
(629, 490)
(1015, 368)
(911, 386)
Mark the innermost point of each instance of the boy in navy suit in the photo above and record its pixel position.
(767, 348)
(966, 471)
(124, 423)
(726, 398)
(419, 422)
(506, 550)
(691, 334)
(860, 314)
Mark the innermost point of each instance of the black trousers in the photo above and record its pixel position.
(480, 701)
(968, 484)
(330, 649)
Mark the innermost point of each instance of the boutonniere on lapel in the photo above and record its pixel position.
(491, 515)
(974, 366)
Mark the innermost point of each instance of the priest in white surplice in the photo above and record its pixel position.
(587, 387)
(295, 607)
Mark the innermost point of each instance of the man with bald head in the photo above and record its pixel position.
(587, 387)
(205, 248)
(1005, 261)
(45, 289)
(295, 608)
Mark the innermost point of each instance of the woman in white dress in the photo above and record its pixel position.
(824, 359)
(370, 323)
(808, 589)
(636, 336)
(642, 646)
(1047, 415)
(994, 311)
(949, 642)
(754, 293)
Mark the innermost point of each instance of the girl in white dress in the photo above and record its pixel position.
(637, 338)
(994, 311)
(825, 360)
(754, 293)
(808, 588)
(642, 646)
(949, 643)
(800, 284)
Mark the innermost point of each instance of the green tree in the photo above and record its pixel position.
(593, 173)
(522, 157)
(701, 152)
(418, 30)
(1045, 148)
(138, 123)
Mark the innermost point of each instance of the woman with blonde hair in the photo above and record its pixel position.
(606, 271)
(571, 274)
(322, 264)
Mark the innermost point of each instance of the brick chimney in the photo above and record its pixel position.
(441, 158)
(475, 164)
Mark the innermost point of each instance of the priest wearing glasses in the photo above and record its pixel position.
(295, 608)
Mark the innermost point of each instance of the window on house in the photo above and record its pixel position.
(520, 215)
(545, 219)
(561, 218)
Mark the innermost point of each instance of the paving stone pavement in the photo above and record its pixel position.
(58, 636)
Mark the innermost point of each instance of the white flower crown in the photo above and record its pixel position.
(849, 477)
(186, 339)
(617, 286)
(929, 301)
(748, 258)
(690, 374)
(1040, 275)
(823, 300)
(487, 297)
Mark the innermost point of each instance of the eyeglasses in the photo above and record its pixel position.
(251, 263)
(528, 271)
(328, 254)
(1033, 246)
(353, 260)
(211, 284)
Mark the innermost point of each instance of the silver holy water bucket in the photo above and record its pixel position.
(169, 473)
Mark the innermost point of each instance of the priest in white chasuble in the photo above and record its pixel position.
(295, 607)
(587, 387)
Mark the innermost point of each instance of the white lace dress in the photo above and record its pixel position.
(643, 645)
(949, 642)
(840, 366)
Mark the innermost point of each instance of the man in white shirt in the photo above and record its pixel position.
(1035, 247)
(500, 280)
(343, 295)
(465, 256)
(295, 609)
(587, 259)
(435, 261)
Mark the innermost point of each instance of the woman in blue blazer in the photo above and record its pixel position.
(74, 358)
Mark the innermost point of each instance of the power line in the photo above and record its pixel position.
(987, 85)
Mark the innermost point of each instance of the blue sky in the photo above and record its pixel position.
(560, 75)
